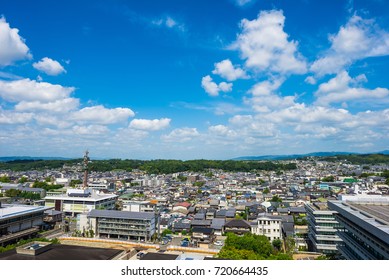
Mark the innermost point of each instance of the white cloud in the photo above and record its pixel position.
(12, 47)
(49, 66)
(226, 70)
(338, 90)
(265, 46)
(153, 125)
(101, 115)
(90, 130)
(212, 88)
(359, 38)
(310, 80)
(222, 130)
(30, 90)
(169, 22)
(58, 106)
(10, 117)
(181, 135)
(242, 3)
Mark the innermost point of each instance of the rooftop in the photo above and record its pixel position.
(11, 210)
(65, 252)
(121, 214)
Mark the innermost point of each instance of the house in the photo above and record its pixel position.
(239, 227)
(203, 235)
(268, 225)
(218, 224)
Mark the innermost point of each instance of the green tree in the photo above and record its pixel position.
(5, 179)
(266, 191)
(165, 232)
(276, 198)
(277, 244)
(22, 180)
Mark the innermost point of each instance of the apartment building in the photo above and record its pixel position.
(322, 228)
(268, 225)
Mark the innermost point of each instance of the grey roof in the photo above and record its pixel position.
(221, 213)
(121, 214)
(199, 216)
(238, 223)
(218, 223)
(288, 228)
(201, 222)
(230, 213)
(52, 212)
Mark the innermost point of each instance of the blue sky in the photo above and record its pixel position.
(193, 79)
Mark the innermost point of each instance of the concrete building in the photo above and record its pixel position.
(322, 228)
(77, 201)
(126, 225)
(19, 221)
(366, 229)
(139, 206)
(268, 225)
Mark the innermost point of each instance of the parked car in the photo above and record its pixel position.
(140, 255)
(219, 243)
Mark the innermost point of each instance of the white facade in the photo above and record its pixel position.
(270, 226)
(78, 201)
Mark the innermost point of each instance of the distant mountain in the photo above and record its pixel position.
(3, 159)
(294, 156)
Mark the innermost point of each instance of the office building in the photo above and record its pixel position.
(19, 221)
(366, 229)
(125, 225)
(77, 201)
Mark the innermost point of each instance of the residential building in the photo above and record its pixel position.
(366, 229)
(322, 228)
(268, 225)
(238, 227)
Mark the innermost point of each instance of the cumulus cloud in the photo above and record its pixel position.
(181, 135)
(222, 130)
(226, 70)
(59, 106)
(212, 88)
(101, 115)
(30, 90)
(49, 66)
(12, 47)
(10, 117)
(265, 46)
(359, 38)
(339, 89)
(152, 125)
(90, 130)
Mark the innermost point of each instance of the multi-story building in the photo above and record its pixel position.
(19, 221)
(126, 225)
(139, 206)
(268, 225)
(77, 201)
(366, 229)
(322, 228)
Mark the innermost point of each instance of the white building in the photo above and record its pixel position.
(139, 206)
(268, 225)
(77, 201)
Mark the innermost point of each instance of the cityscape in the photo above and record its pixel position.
(194, 130)
(310, 208)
